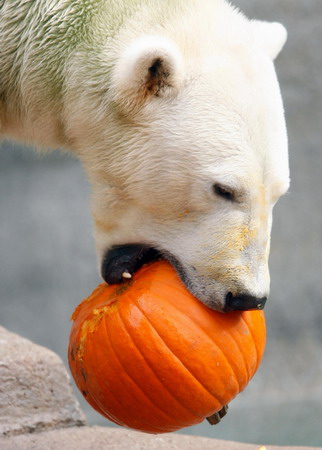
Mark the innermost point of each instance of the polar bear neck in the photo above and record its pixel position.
(39, 38)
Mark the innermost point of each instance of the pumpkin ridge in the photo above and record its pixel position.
(178, 359)
(242, 355)
(106, 387)
(97, 405)
(152, 370)
(254, 342)
(111, 393)
(151, 427)
(209, 337)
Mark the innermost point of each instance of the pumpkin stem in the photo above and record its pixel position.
(216, 418)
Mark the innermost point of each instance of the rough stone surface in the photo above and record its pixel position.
(100, 438)
(35, 391)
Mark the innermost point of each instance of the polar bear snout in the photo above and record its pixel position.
(243, 302)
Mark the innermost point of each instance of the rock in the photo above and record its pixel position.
(103, 438)
(35, 390)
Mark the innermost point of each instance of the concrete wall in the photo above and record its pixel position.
(47, 260)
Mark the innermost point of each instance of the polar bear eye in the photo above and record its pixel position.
(224, 192)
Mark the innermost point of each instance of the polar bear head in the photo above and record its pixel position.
(192, 158)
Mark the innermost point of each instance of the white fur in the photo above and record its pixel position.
(154, 142)
(271, 36)
(130, 72)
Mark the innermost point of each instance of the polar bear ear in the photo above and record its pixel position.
(270, 36)
(151, 66)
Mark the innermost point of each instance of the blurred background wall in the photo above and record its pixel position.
(47, 259)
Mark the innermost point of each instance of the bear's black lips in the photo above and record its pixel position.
(127, 259)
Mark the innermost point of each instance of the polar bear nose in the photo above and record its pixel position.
(243, 302)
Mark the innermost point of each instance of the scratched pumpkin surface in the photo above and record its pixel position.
(147, 355)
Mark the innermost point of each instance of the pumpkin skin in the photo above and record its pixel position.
(148, 355)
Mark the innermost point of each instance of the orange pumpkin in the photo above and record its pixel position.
(148, 355)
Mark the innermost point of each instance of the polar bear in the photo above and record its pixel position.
(174, 109)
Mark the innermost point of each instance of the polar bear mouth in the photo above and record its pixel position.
(121, 261)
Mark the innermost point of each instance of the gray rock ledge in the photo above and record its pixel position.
(101, 438)
(35, 390)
